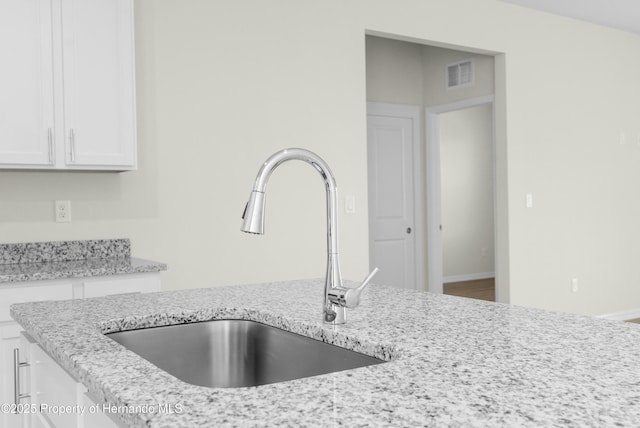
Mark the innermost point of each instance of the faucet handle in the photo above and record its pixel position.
(350, 297)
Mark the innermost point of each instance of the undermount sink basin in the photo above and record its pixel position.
(237, 353)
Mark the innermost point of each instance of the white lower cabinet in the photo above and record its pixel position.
(122, 284)
(10, 341)
(32, 292)
(43, 380)
(52, 389)
(58, 399)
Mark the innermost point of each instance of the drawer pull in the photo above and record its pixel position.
(17, 365)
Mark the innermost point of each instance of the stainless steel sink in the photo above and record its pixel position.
(237, 353)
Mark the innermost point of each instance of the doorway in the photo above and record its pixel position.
(405, 74)
(460, 196)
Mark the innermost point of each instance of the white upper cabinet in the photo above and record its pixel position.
(26, 83)
(71, 87)
(99, 92)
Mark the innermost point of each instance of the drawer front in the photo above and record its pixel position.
(120, 285)
(53, 388)
(31, 293)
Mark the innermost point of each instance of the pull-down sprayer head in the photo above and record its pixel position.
(253, 216)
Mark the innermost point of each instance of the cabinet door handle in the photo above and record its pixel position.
(50, 142)
(17, 365)
(72, 143)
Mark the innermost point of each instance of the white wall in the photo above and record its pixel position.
(224, 84)
(466, 166)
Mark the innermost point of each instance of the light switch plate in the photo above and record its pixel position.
(350, 204)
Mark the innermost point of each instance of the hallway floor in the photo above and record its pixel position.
(482, 289)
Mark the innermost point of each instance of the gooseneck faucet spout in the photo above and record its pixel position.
(336, 296)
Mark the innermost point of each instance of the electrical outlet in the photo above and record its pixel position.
(63, 211)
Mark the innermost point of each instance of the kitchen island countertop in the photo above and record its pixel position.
(453, 361)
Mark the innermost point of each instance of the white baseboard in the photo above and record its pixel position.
(468, 277)
(622, 316)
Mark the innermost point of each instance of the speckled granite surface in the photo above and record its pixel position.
(37, 261)
(454, 362)
(63, 251)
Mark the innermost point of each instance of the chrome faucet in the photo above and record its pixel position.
(337, 297)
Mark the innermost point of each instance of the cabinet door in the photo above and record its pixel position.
(10, 337)
(10, 340)
(53, 387)
(26, 84)
(99, 83)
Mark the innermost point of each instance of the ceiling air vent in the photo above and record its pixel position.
(460, 73)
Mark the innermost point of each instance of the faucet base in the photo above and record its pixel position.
(334, 315)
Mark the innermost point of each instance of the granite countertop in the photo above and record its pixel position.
(453, 361)
(37, 261)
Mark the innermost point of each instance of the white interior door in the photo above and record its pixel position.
(391, 198)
